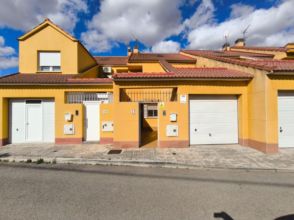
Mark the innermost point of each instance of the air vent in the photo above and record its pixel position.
(114, 151)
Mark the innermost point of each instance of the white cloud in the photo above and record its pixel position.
(166, 47)
(273, 26)
(124, 20)
(239, 10)
(8, 62)
(203, 15)
(7, 58)
(23, 15)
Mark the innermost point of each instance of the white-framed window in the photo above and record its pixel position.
(49, 61)
(150, 110)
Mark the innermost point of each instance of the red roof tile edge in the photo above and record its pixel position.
(188, 73)
(50, 79)
(237, 62)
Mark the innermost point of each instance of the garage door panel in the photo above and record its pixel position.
(17, 121)
(210, 107)
(31, 121)
(215, 120)
(286, 119)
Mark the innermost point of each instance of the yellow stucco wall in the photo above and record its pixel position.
(85, 60)
(183, 65)
(74, 58)
(106, 114)
(150, 123)
(257, 93)
(4, 118)
(149, 67)
(182, 110)
(274, 86)
(126, 124)
(182, 121)
(277, 54)
(48, 39)
(55, 92)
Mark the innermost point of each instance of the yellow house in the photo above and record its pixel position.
(62, 94)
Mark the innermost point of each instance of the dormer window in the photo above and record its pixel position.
(49, 61)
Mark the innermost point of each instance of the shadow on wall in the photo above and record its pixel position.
(286, 217)
(225, 216)
(222, 215)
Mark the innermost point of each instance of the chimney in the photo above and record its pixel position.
(136, 47)
(240, 42)
(226, 47)
(129, 51)
(290, 45)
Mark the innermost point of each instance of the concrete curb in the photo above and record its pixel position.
(138, 163)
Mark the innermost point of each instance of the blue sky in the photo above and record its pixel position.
(106, 27)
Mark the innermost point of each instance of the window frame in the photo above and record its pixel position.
(150, 108)
(49, 69)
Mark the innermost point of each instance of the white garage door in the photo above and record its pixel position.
(32, 121)
(213, 120)
(286, 119)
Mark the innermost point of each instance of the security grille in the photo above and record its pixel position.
(80, 97)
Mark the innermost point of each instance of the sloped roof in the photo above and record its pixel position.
(263, 64)
(45, 23)
(275, 49)
(50, 79)
(188, 73)
(170, 57)
(112, 60)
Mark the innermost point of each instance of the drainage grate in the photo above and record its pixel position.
(4, 155)
(114, 152)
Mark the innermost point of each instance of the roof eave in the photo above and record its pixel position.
(183, 79)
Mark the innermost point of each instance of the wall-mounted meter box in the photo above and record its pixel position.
(68, 116)
(69, 129)
(107, 126)
(172, 130)
(173, 117)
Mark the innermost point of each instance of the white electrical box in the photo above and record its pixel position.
(69, 129)
(68, 117)
(107, 126)
(172, 130)
(173, 117)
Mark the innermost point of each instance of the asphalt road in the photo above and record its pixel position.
(101, 192)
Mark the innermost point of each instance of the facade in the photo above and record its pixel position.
(62, 94)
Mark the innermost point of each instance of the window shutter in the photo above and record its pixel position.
(49, 59)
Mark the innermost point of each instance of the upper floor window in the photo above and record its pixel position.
(49, 61)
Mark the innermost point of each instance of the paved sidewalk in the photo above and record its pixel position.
(204, 156)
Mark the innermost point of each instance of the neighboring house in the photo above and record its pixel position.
(62, 94)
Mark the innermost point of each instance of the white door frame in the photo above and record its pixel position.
(85, 103)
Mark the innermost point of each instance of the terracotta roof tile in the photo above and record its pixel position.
(243, 53)
(263, 64)
(188, 73)
(275, 49)
(170, 57)
(112, 61)
(50, 79)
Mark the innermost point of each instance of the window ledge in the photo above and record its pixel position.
(48, 72)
